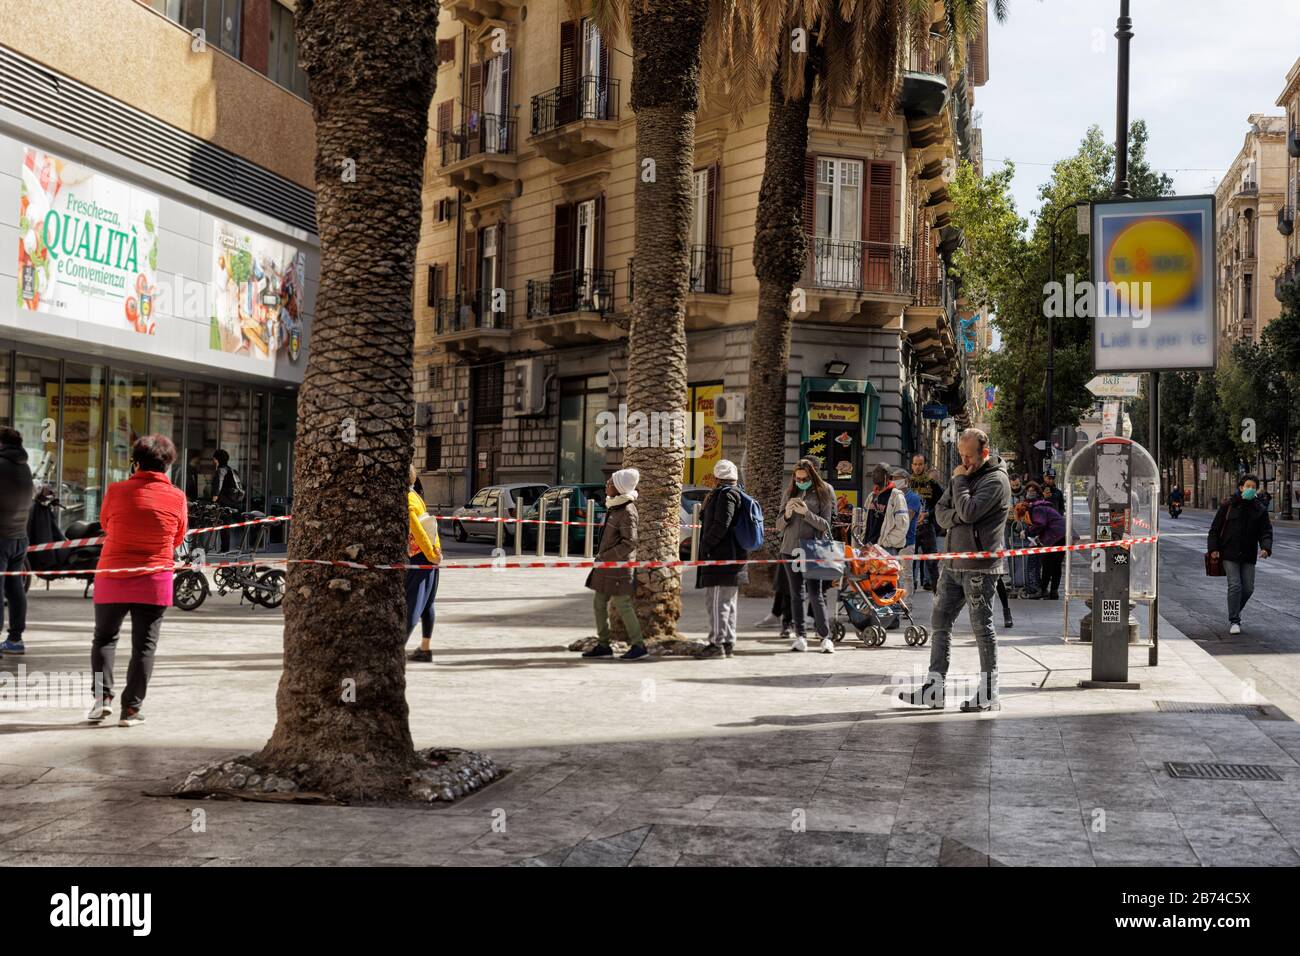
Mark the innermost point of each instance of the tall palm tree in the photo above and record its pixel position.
(853, 58)
(341, 713)
(667, 37)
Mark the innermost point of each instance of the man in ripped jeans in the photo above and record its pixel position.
(973, 510)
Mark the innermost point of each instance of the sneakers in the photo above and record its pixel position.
(634, 653)
(131, 717)
(785, 632)
(98, 711)
(1235, 629)
(710, 652)
(986, 695)
(600, 650)
(771, 621)
(13, 647)
(799, 644)
(729, 649)
(421, 656)
(828, 646)
(929, 694)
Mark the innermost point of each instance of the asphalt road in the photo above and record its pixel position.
(1268, 650)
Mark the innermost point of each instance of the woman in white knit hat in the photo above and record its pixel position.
(617, 585)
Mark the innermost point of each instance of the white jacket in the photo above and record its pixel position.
(893, 530)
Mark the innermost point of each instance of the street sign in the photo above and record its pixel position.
(1109, 418)
(1114, 386)
(1041, 445)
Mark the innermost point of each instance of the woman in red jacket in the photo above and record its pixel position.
(144, 518)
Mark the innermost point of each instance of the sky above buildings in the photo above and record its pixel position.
(1199, 69)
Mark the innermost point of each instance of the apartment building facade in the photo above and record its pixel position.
(156, 172)
(1251, 252)
(524, 280)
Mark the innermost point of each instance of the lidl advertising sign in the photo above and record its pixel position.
(1153, 273)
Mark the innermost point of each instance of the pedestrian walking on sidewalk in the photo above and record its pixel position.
(1241, 530)
(806, 514)
(16, 492)
(144, 519)
(1045, 525)
(617, 585)
(423, 546)
(718, 543)
(925, 573)
(974, 510)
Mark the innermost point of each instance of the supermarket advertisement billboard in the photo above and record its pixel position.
(87, 245)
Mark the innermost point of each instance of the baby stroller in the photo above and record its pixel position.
(870, 586)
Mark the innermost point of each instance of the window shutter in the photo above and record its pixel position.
(810, 194)
(469, 262)
(503, 278)
(444, 121)
(599, 226)
(505, 83)
(711, 213)
(440, 284)
(562, 258)
(566, 109)
(431, 292)
(880, 218)
(476, 87)
(446, 51)
(604, 78)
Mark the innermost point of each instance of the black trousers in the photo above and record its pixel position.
(146, 624)
(1050, 571)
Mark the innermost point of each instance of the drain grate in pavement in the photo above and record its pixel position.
(1196, 707)
(1221, 771)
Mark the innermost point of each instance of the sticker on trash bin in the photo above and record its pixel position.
(1103, 532)
(1109, 611)
(1120, 557)
(1103, 517)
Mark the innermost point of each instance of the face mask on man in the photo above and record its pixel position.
(1248, 494)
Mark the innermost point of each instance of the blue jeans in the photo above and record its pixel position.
(421, 589)
(1241, 585)
(975, 589)
(12, 552)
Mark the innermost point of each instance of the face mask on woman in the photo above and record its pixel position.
(1031, 496)
(803, 485)
(1248, 494)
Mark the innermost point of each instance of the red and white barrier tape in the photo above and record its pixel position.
(565, 563)
(91, 542)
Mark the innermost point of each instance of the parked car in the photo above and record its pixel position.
(486, 504)
(582, 498)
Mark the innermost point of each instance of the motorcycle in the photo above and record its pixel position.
(43, 528)
(1175, 509)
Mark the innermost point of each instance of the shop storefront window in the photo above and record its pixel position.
(82, 402)
(280, 461)
(167, 417)
(4, 388)
(234, 430)
(255, 479)
(127, 411)
(36, 413)
(581, 459)
(202, 438)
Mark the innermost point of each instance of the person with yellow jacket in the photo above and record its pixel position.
(421, 583)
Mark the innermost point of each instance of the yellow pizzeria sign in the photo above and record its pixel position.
(833, 412)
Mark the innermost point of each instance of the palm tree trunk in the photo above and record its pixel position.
(779, 251)
(341, 706)
(666, 38)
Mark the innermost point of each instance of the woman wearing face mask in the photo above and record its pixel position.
(1239, 530)
(806, 512)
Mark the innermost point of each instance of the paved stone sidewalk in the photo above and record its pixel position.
(768, 758)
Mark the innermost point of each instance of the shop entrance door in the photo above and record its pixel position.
(487, 456)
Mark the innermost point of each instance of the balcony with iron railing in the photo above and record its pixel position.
(577, 119)
(928, 284)
(474, 322)
(870, 269)
(480, 152)
(1285, 219)
(710, 271)
(925, 80)
(572, 306)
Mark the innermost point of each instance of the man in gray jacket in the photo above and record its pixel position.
(974, 512)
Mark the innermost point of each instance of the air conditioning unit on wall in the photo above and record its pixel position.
(423, 414)
(729, 407)
(530, 387)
